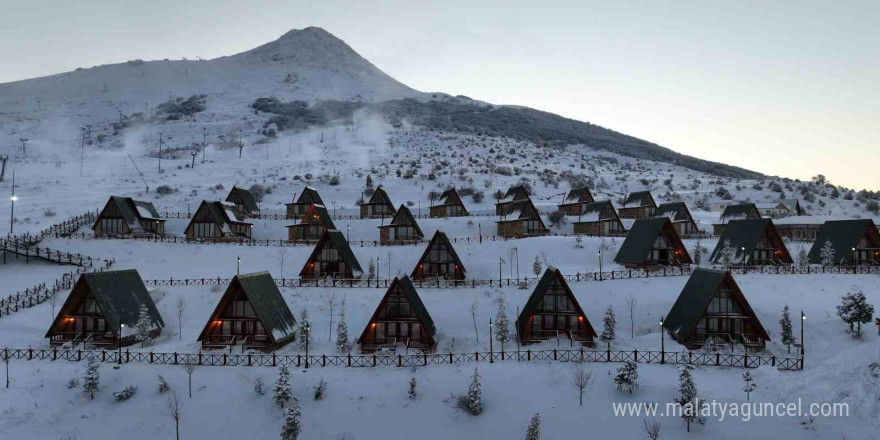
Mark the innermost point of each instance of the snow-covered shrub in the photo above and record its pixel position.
(72, 383)
(627, 378)
(259, 387)
(534, 430)
(412, 392)
(281, 392)
(92, 377)
(258, 191)
(320, 388)
(292, 422)
(163, 385)
(125, 393)
(855, 310)
(472, 402)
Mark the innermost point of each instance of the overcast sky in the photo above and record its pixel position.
(786, 88)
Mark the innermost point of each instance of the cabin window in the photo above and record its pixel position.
(438, 253)
(202, 229)
(112, 226)
(722, 303)
(88, 306)
(328, 254)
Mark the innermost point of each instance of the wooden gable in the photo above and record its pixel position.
(400, 317)
(439, 261)
(553, 309)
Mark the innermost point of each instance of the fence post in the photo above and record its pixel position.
(717, 359)
(399, 360)
(773, 361)
(529, 354)
(608, 356)
(200, 357)
(175, 358)
(636, 355)
(746, 359)
(151, 356)
(274, 360)
(374, 359)
(323, 360)
(249, 359)
(349, 359)
(298, 358)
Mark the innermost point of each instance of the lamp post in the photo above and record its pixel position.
(308, 330)
(334, 209)
(119, 344)
(238, 265)
(600, 264)
(12, 198)
(490, 342)
(662, 343)
(854, 259)
(803, 318)
(348, 232)
(744, 259)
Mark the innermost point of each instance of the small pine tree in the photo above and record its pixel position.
(750, 384)
(292, 422)
(259, 387)
(163, 385)
(475, 395)
(688, 399)
(855, 310)
(726, 254)
(343, 342)
(412, 388)
(143, 325)
(698, 253)
(502, 325)
(369, 183)
(803, 257)
(281, 392)
(579, 241)
(534, 430)
(827, 254)
(610, 323)
(537, 266)
(627, 377)
(787, 337)
(303, 326)
(371, 270)
(92, 377)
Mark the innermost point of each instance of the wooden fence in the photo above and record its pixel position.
(223, 359)
(21, 247)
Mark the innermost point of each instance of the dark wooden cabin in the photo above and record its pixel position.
(332, 257)
(599, 219)
(639, 204)
(244, 201)
(449, 205)
(855, 242)
(308, 197)
(754, 243)
(553, 311)
(521, 219)
(400, 318)
(251, 314)
(218, 221)
(439, 261)
(575, 200)
(102, 307)
(379, 205)
(712, 307)
(513, 195)
(652, 242)
(126, 216)
(311, 226)
(742, 211)
(680, 216)
(403, 229)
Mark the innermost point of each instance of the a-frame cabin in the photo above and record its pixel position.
(753, 243)
(712, 307)
(400, 318)
(599, 219)
(680, 216)
(311, 226)
(251, 314)
(514, 194)
(639, 204)
(218, 221)
(449, 205)
(652, 242)
(103, 309)
(332, 257)
(855, 242)
(403, 229)
(742, 211)
(552, 311)
(521, 219)
(379, 205)
(244, 201)
(308, 197)
(439, 261)
(575, 200)
(126, 216)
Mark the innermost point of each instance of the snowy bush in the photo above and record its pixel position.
(292, 422)
(258, 191)
(855, 310)
(92, 377)
(627, 377)
(163, 385)
(259, 387)
(412, 392)
(125, 393)
(472, 402)
(320, 388)
(534, 430)
(165, 190)
(281, 392)
(72, 383)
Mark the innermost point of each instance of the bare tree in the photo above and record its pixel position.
(474, 317)
(581, 378)
(174, 409)
(631, 307)
(329, 299)
(190, 368)
(53, 300)
(652, 429)
(282, 255)
(181, 307)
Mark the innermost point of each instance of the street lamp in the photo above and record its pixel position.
(803, 319)
(348, 232)
(662, 343)
(854, 259)
(13, 198)
(334, 210)
(490, 341)
(119, 344)
(744, 258)
(600, 264)
(238, 265)
(308, 330)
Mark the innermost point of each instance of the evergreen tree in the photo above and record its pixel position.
(627, 377)
(855, 310)
(827, 254)
(688, 399)
(281, 392)
(475, 395)
(412, 387)
(371, 269)
(787, 337)
(534, 430)
(369, 183)
(163, 385)
(292, 422)
(537, 266)
(502, 325)
(698, 253)
(750, 384)
(144, 323)
(610, 323)
(303, 326)
(803, 257)
(92, 377)
(343, 342)
(726, 254)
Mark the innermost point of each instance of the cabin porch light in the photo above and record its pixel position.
(14, 198)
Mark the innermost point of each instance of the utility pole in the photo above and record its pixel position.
(160, 152)
(240, 144)
(12, 209)
(204, 142)
(82, 150)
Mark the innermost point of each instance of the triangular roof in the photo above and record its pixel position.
(441, 238)
(639, 198)
(746, 234)
(133, 211)
(513, 192)
(597, 207)
(403, 213)
(119, 294)
(247, 199)
(843, 235)
(696, 295)
(310, 195)
(534, 300)
(739, 211)
(640, 240)
(270, 307)
(522, 209)
(409, 291)
(323, 216)
(672, 209)
(448, 193)
(380, 197)
(338, 241)
(223, 214)
(575, 194)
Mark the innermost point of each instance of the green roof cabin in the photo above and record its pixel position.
(244, 201)
(575, 200)
(311, 226)
(308, 197)
(439, 261)
(599, 219)
(400, 319)
(681, 218)
(552, 311)
(855, 242)
(332, 257)
(449, 205)
(741, 211)
(218, 221)
(379, 205)
(103, 309)
(403, 229)
(711, 307)
(521, 219)
(652, 242)
(251, 314)
(752, 243)
(639, 204)
(126, 216)
(513, 194)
